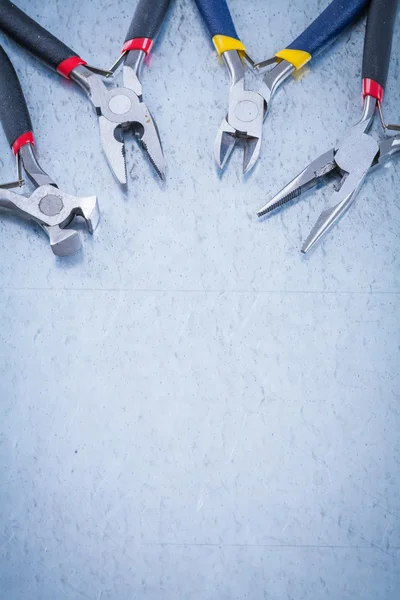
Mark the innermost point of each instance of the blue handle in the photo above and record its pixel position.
(332, 21)
(217, 17)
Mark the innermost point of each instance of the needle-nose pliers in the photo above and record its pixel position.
(48, 206)
(247, 110)
(358, 153)
(118, 108)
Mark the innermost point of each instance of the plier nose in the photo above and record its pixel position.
(48, 206)
(244, 120)
(144, 27)
(119, 109)
(358, 152)
(247, 110)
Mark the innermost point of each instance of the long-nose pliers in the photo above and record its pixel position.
(247, 110)
(118, 108)
(359, 152)
(48, 206)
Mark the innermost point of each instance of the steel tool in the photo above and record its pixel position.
(359, 152)
(48, 206)
(118, 108)
(247, 109)
(145, 25)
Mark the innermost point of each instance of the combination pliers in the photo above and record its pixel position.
(48, 206)
(247, 109)
(358, 153)
(145, 25)
(118, 108)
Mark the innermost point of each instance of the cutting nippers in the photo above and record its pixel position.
(48, 206)
(118, 108)
(247, 109)
(354, 157)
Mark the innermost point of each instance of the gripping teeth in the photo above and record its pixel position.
(157, 170)
(123, 152)
(272, 206)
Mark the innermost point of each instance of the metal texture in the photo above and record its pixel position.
(54, 210)
(353, 159)
(190, 408)
(48, 206)
(247, 111)
(120, 109)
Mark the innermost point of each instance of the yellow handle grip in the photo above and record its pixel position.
(223, 43)
(297, 58)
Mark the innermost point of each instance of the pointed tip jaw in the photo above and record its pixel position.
(113, 146)
(224, 144)
(151, 144)
(252, 151)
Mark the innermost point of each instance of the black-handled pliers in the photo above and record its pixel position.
(118, 108)
(359, 152)
(144, 27)
(48, 206)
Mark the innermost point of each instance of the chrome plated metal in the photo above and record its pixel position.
(247, 110)
(19, 182)
(131, 70)
(352, 159)
(244, 119)
(54, 210)
(48, 206)
(36, 174)
(120, 109)
(386, 126)
(274, 78)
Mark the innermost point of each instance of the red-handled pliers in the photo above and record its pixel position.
(359, 152)
(50, 207)
(145, 25)
(118, 108)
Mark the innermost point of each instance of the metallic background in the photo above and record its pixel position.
(189, 407)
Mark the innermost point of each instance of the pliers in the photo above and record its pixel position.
(247, 110)
(48, 206)
(145, 25)
(358, 153)
(118, 108)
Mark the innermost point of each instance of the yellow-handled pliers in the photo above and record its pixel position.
(247, 110)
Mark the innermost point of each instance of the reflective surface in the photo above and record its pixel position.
(189, 407)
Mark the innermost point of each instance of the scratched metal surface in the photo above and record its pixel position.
(189, 407)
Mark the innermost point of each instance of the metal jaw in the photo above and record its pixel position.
(352, 160)
(388, 147)
(120, 109)
(51, 208)
(247, 111)
(274, 78)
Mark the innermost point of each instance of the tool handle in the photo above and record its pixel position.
(217, 17)
(14, 114)
(218, 20)
(333, 20)
(378, 45)
(145, 25)
(37, 40)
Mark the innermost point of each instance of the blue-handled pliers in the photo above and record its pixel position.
(247, 110)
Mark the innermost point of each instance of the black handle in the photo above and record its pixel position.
(32, 36)
(14, 114)
(378, 40)
(147, 20)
